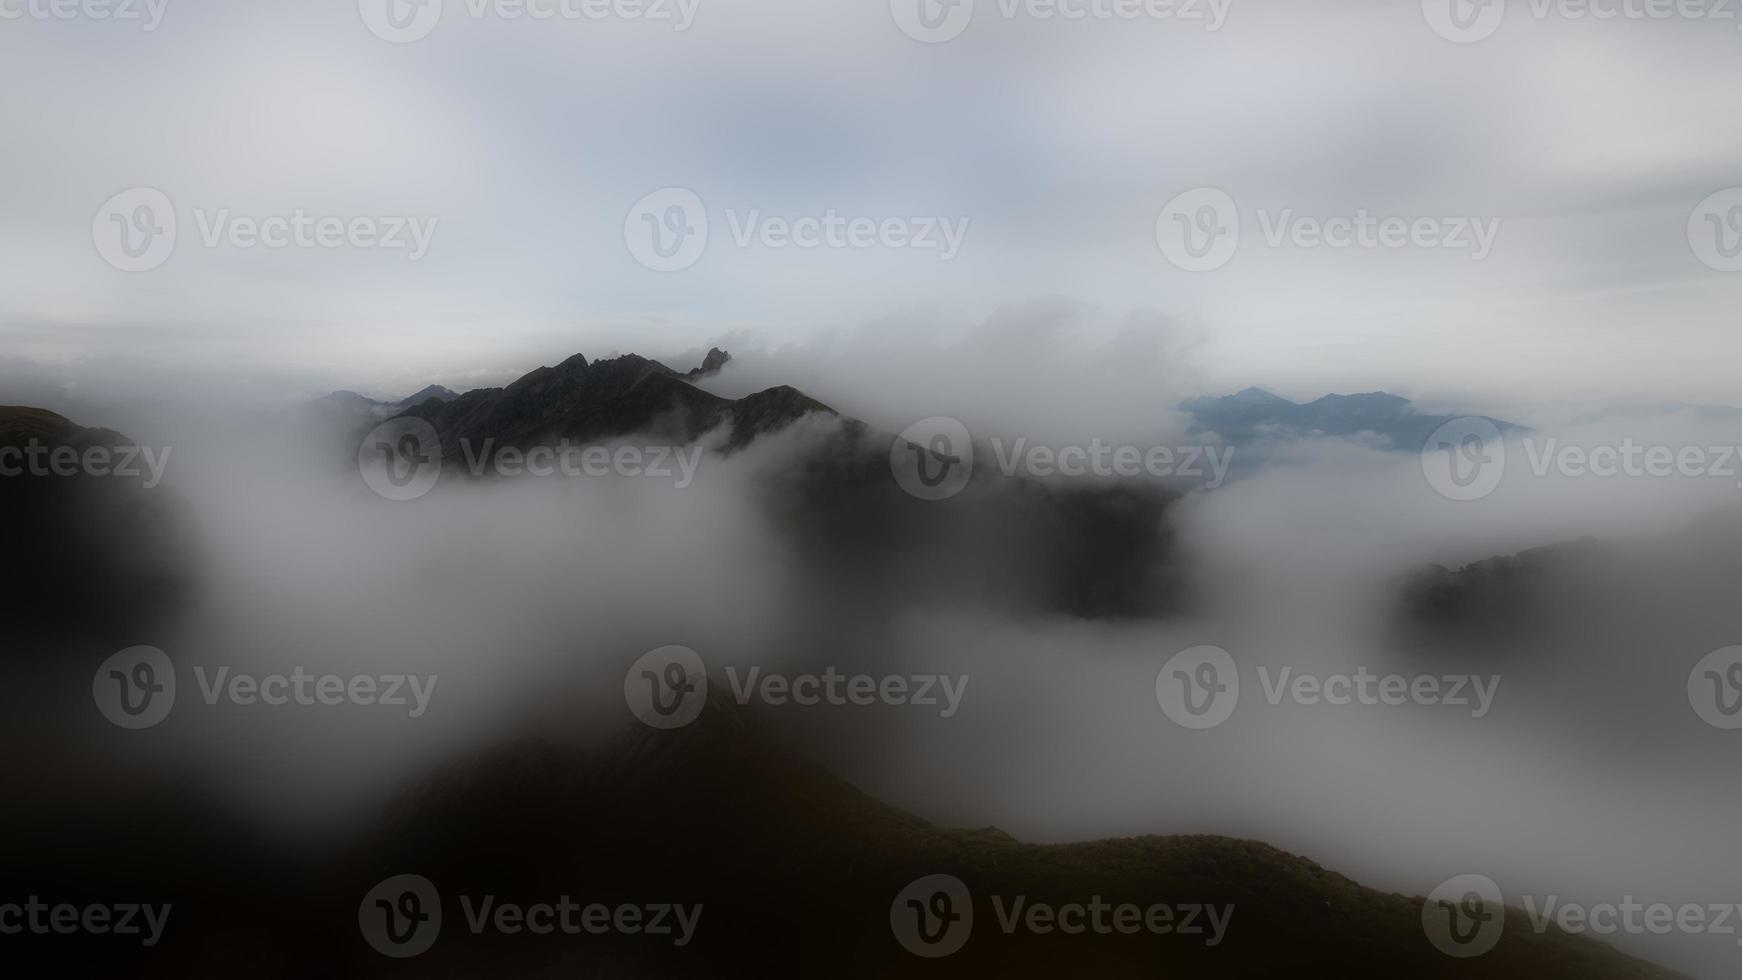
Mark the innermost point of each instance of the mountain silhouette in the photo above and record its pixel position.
(785, 855)
(348, 405)
(1256, 414)
(437, 392)
(596, 401)
(84, 540)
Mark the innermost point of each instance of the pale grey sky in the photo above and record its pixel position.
(1058, 142)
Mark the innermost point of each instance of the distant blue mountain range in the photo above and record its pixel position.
(1256, 414)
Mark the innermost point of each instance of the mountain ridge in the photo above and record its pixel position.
(786, 832)
(1255, 414)
(590, 401)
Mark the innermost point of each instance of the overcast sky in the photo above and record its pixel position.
(1059, 142)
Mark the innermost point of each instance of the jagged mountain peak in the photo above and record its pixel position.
(1259, 396)
(1365, 398)
(628, 394)
(437, 392)
(711, 364)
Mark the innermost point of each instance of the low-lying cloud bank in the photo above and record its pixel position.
(519, 604)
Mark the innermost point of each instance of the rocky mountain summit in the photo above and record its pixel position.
(595, 401)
